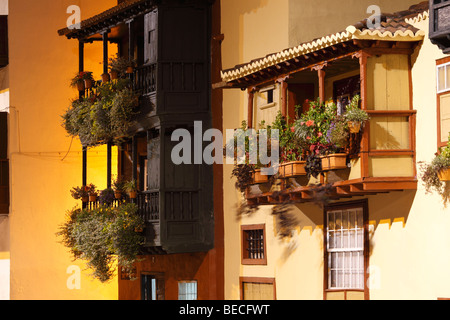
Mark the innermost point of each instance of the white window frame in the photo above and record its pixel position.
(345, 274)
(187, 290)
(446, 85)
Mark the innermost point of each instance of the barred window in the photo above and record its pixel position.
(253, 244)
(345, 248)
(187, 290)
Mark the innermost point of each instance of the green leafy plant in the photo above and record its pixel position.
(354, 113)
(291, 147)
(430, 174)
(79, 192)
(104, 117)
(102, 236)
(312, 127)
(120, 65)
(80, 77)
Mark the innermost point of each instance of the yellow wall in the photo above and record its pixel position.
(44, 163)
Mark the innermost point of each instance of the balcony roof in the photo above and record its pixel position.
(108, 19)
(394, 27)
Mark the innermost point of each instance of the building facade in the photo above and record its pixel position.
(355, 232)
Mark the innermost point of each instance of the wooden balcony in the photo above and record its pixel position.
(374, 169)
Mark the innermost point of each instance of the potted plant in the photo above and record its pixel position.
(337, 137)
(106, 197)
(92, 190)
(130, 187)
(106, 77)
(436, 175)
(291, 148)
(120, 67)
(80, 193)
(83, 80)
(311, 131)
(118, 186)
(355, 116)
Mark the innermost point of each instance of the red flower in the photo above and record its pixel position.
(292, 129)
(310, 123)
(319, 134)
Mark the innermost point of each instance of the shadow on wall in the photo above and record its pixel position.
(291, 219)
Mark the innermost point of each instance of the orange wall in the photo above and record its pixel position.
(44, 163)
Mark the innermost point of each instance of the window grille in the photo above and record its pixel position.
(345, 249)
(187, 290)
(255, 243)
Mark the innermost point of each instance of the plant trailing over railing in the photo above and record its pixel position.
(435, 175)
(102, 235)
(105, 116)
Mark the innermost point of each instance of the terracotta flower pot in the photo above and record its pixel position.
(80, 86)
(88, 83)
(117, 194)
(334, 161)
(114, 75)
(354, 126)
(444, 175)
(133, 194)
(258, 177)
(130, 70)
(292, 169)
(92, 197)
(106, 77)
(85, 199)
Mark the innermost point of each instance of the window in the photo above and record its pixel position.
(257, 288)
(253, 244)
(443, 100)
(152, 286)
(346, 246)
(4, 56)
(187, 290)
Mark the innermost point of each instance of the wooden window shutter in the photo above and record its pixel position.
(151, 37)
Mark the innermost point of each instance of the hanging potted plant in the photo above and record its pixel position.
(106, 77)
(130, 187)
(435, 176)
(356, 117)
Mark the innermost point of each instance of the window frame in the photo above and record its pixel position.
(439, 93)
(363, 204)
(245, 260)
(257, 280)
(185, 282)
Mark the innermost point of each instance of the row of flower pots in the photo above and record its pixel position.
(298, 168)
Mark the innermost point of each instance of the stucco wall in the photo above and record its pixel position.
(45, 164)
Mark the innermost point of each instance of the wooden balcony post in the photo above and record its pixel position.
(365, 137)
(108, 174)
(251, 96)
(105, 51)
(284, 102)
(321, 73)
(81, 95)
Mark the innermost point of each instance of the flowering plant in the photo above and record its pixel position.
(81, 76)
(290, 148)
(312, 128)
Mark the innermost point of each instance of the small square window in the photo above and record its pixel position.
(187, 290)
(254, 244)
